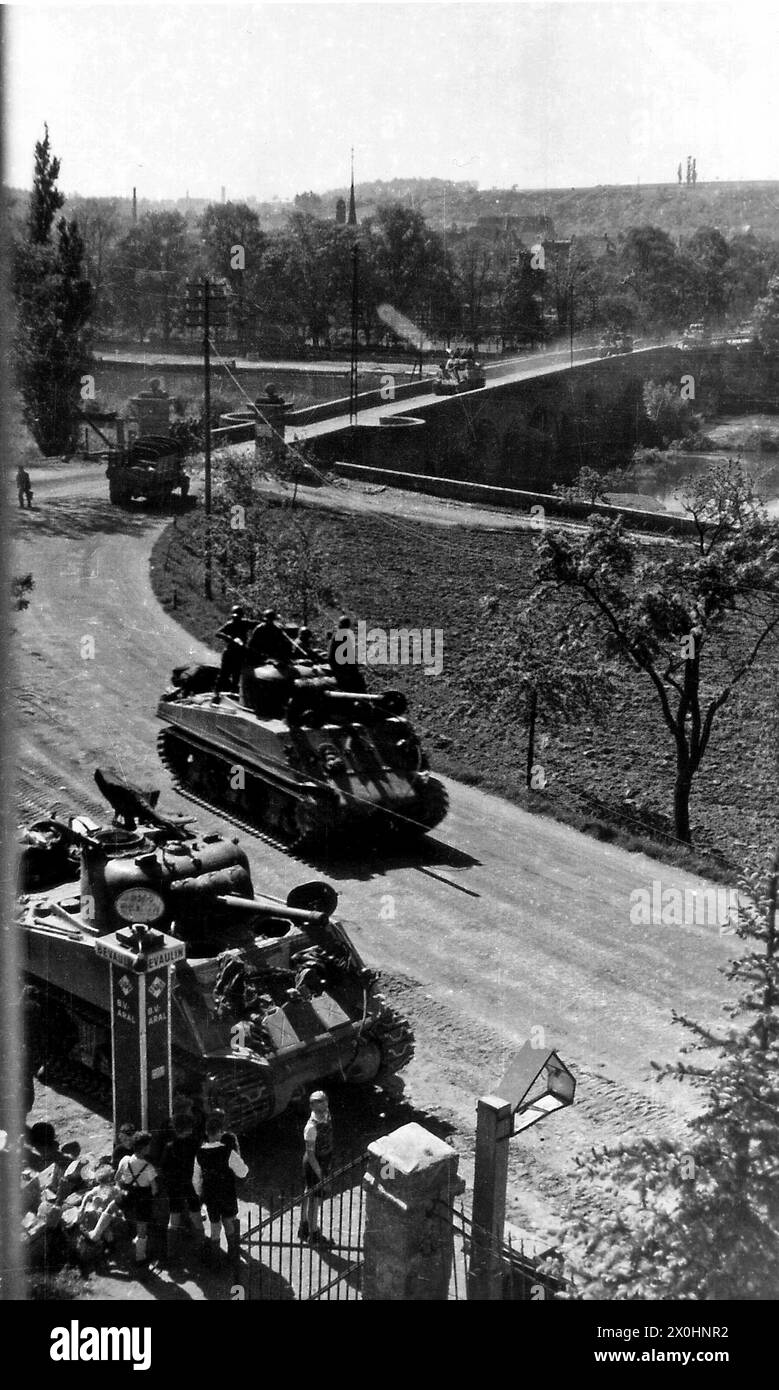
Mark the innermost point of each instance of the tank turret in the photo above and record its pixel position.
(271, 997)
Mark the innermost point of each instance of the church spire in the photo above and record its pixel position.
(351, 220)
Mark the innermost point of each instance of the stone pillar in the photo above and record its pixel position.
(407, 1243)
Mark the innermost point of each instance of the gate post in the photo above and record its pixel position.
(407, 1241)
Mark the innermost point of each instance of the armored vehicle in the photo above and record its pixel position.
(301, 758)
(151, 469)
(459, 374)
(614, 344)
(272, 995)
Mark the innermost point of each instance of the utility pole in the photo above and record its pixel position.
(207, 440)
(353, 401)
(570, 296)
(206, 307)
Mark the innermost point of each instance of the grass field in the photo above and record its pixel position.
(613, 780)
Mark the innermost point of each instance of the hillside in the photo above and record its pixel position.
(732, 207)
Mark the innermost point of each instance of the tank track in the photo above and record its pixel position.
(314, 829)
(434, 804)
(394, 1036)
(223, 809)
(246, 1096)
(246, 1099)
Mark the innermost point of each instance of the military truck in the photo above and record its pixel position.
(151, 469)
(151, 466)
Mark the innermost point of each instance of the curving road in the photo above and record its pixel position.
(505, 923)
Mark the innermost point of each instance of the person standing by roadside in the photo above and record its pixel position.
(137, 1178)
(177, 1167)
(317, 1163)
(23, 486)
(218, 1163)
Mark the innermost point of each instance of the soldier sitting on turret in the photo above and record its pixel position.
(269, 641)
(305, 649)
(342, 659)
(234, 633)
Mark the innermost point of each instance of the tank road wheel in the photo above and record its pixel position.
(245, 1093)
(306, 823)
(431, 808)
(192, 769)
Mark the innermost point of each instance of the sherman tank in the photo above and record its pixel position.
(300, 757)
(272, 995)
(459, 374)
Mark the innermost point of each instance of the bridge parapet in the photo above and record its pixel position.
(525, 431)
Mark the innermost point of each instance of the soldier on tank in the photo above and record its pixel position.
(234, 634)
(305, 649)
(342, 658)
(269, 642)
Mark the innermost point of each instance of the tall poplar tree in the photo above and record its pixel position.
(53, 306)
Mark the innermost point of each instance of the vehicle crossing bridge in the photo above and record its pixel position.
(535, 422)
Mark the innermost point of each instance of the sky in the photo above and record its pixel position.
(267, 99)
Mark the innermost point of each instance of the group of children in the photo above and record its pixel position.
(196, 1164)
(192, 1173)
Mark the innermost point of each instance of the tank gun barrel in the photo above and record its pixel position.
(385, 701)
(268, 907)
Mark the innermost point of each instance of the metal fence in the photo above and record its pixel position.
(282, 1264)
(523, 1277)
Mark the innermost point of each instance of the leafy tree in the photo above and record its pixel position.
(703, 1223)
(588, 486)
(273, 557)
(225, 226)
(46, 199)
(98, 221)
(747, 273)
(409, 259)
(693, 620)
(312, 274)
(53, 306)
(648, 255)
(310, 204)
(766, 317)
(521, 311)
(704, 270)
(151, 264)
(534, 668)
(670, 416)
(475, 286)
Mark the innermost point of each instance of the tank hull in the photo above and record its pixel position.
(313, 785)
(249, 1052)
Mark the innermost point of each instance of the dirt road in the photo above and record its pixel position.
(504, 924)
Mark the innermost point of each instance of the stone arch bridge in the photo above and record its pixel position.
(529, 429)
